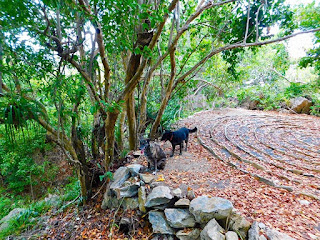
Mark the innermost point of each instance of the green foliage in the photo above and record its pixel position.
(107, 175)
(71, 190)
(18, 168)
(294, 90)
(309, 17)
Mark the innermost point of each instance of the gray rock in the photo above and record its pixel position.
(109, 200)
(120, 176)
(147, 178)
(179, 218)
(177, 192)
(53, 200)
(182, 203)
(230, 235)
(205, 208)
(239, 224)
(130, 203)
(134, 169)
(275, 235)
(254, 231)
(128, 189)
(4, 222)
(188, 235)
(212, 231)
(300, 105)
(159, 223)
(162, 237)
(155, 184)
(159, 196)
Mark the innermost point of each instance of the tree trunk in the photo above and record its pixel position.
(165, 100)
(133, 65)
(110, 124)
(121, 130)
(132, 122)
(156, 123)
(143, 103)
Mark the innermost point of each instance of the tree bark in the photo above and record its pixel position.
(110, 123)
(165, 100)
(121, 129)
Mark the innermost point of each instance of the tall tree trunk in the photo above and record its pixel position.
(121, 130)
(143, 102)
(133, 65)
(110, 124)
(165, 100)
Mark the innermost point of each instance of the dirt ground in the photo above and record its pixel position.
(292, 212)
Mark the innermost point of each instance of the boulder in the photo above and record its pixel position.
(120, 176)
(205, 208)
(159, 196)
(159, 223)
(142, 198)
(134, 169)
(212, 231)
(300, 105)
(230, 235)
(128, 189)
(179, 218)
(188, 234)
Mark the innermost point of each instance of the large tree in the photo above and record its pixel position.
(60, 56)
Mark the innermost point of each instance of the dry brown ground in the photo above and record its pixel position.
(281, 149)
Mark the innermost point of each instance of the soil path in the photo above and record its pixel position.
(266, 163)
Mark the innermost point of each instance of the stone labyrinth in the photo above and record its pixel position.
(281, 150)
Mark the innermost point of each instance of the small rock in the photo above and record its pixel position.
(127, 190)
(147, 178)
(177, 193)
(212, 231)
(134, 169)
(159, 223)
(109, 200)
(204, 208)
(254, 231)
(239, 224)
(120, 176)
(262, 226)
(188, 234)
(190, 194)
(179, 218)
(275, 235)
(230, 235)
(182, 203)
(304, 202)
(130, 203)
(159, 196)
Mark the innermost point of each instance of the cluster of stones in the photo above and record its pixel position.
(177, 213)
